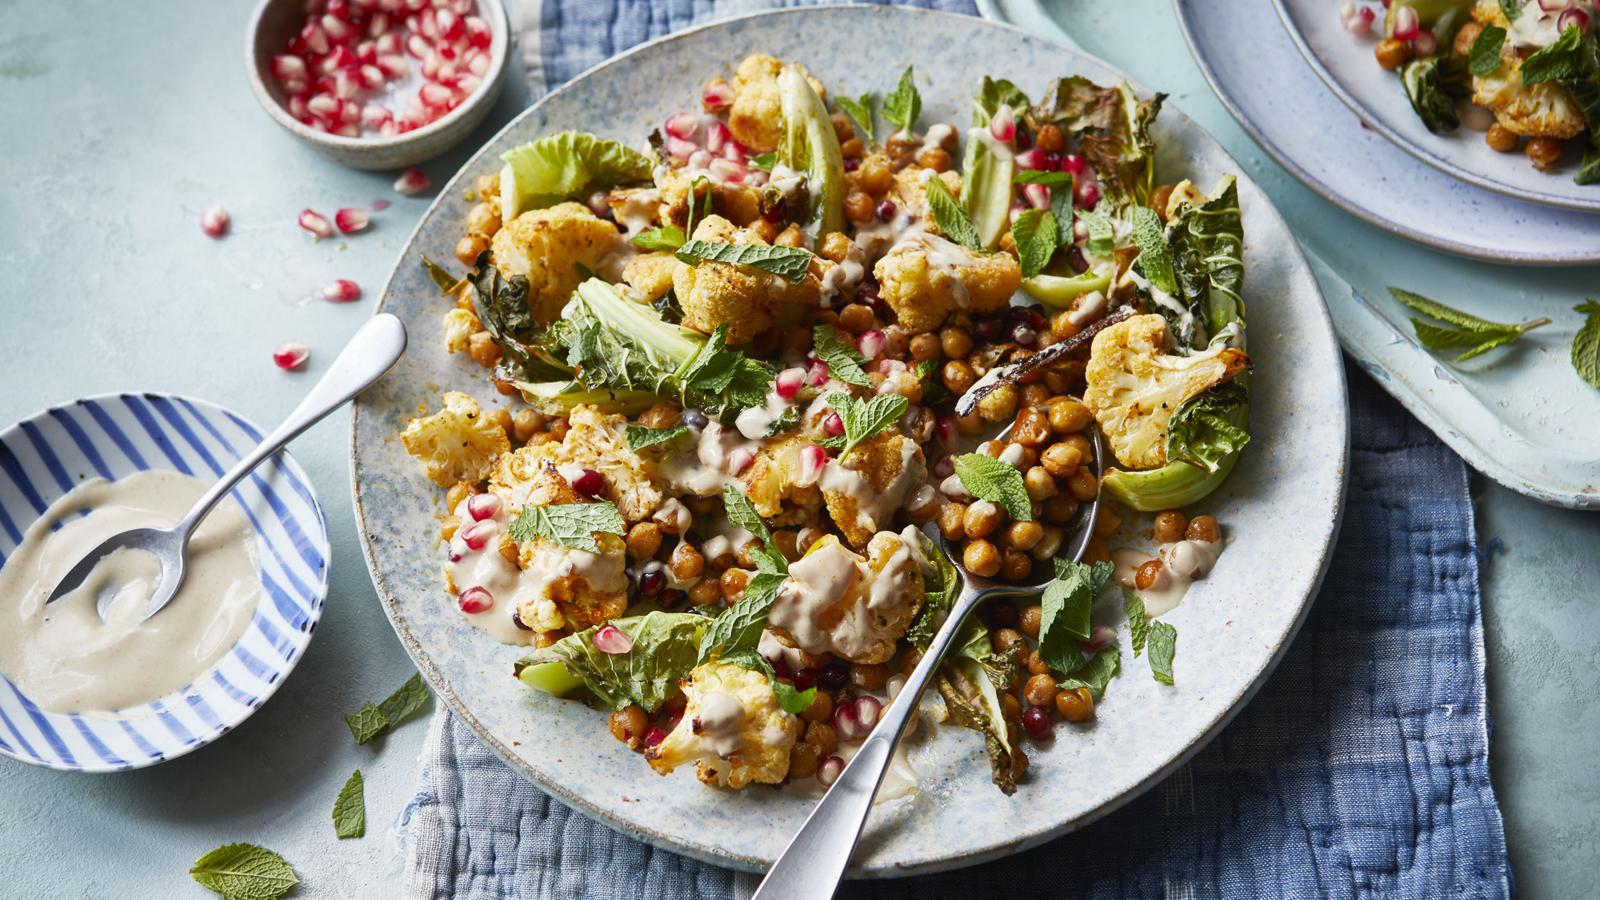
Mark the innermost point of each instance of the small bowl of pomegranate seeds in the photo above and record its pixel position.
(378, 84)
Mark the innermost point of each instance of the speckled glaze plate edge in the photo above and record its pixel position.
(1244, 616)
(1375, 95)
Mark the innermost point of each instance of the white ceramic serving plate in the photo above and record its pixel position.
(1235, 625)
(1344, 62)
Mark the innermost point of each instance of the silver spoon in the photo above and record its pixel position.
(372, 352)
(815, 860)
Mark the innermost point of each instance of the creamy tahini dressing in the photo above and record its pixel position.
(1533, 27)
(1182, 563)
(63, 657)
(820, 604)
(719, 718)
(706, 470)
(754, 422)
(874, 508)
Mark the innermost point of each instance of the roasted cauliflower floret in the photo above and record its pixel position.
(756, 118)
(910, 193)
(572, 589)
(834, 601)
(926, 278)
(457, 443)
(1541, 110)
(594, 440)
(774, 483)
(864, 489)
(650, 274)
(1134, 386)
(459, 326)
(738, 203)
(732, 729)
(547, 246)
(744, 298)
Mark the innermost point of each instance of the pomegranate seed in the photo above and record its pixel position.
(886, 211)
(812, 461)
(389, 128)
(367, 52)
(685, 126)
(478, 33)
(846, 725)
(589, 483)
(789, 382)
(475, 600)
(1425, 43)
(1406, 23)
(394, 65)
(1075, 164)
(372, 77)
(817, 373)
(717, 135)
(378, 25)
(1038, 195)
(737, 152)
(476, 536)
(1087, 195)
(344, 86)
(833, 426)
(1037, 723)
(1100, 637)
(350, 113)
(214, 222)
(296, 88)
(651, 582)
(341, 290)
(946, 431)
(351, 219)
(375, 116)
(412, 182)
(680, 149)
(611, 639)
(415, 5)
(944, 467)
(315, 40)
(285, 67)
(478, 64)
(740, 459)
(1003, 124)
(1031, 159)
(341, 58)
(483, 506)
(699, 159)
(867, 710)
(313, 222)
(829, 770)
(717, 96)
(388, 43)
(672, 598)
(1573, 17)
(871, 343)
(447, 52)
(428, 23)
(466, 85)
(323, 105)
(336, 28)
(434, 94)
(450, 25)
(290, 356)
(654, 736)
(835, 674)
(807, 678)
(418, 46)
(726, 170)
(339, 9)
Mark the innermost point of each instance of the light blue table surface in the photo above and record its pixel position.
(125, 121)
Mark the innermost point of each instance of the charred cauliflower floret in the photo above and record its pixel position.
(650, 274)
(1542, 110)
(1134, 386)
(910, 193)
(594, 440)
(774, 483)
(756, 118)
(744, 298)
(459, 326)
(457, 443)
(732, 729)
(738, 203)
(547, 246)
(834, 601)
(926, 278)
(864, 489)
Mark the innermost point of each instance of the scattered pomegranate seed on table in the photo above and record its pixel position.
(314, 222)
(351, 219)
(412, 182)
(214, 222)
(342, 290)
(290, 356)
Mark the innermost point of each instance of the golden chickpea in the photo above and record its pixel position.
(969, 424)
(923, 504)
(1148, 573)
(981, 559)
(1028, 622)
(859, 208)
(1061, 459)
(981, 519)
(819, 732)
(935, 158)
(869, 677)
(1010, 709)
(992, 448)
(952, 521)
(1050, 139)
(958, 376)
(1068, 415)
(1031, 428)
(1048, 544)
(1544, 152)
(1003, 639)
(999, 404)
(705, 592)
(1107, 521)
(1065, 377)
(1023, 535)
(1040, 484)
(483, 219)
(803, 760)
(1076, 705)
(1203, 528)
(558, 429)
(734, 582)
(644, 539)
(1015, 565)
(1040, 691)
(957, 343)
(1466, 36)
(791, 237)
(469, 247)
(767, 231)
(686, 563)
(874, 177)
(1083, 485)
(483, 350)
(1170, 526)
(820, 710)
(909, 658)
(853, 148)
(1036, 396)
(786, 539)
(628, 725)
(924, 347)
(1392, 54)
(843, 128)
(835, 247)
(1501, 138)
(662, 415)
(857, 317)
(1061, 508)
(1062, 326)
(524, 422)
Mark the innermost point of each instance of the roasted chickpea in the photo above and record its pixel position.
(1466, 36)
(923, 504)
(909, 657)
(558, 429)
(981, 519)
(803, 759)
(859, 208)
(1068, 415)
(469, 247)
(819, 732)
(1544, 152)
(1170, 525)
(524, 422)
(705, 591)
(857, 317)
(1003, 639)
(969, 424)
(999, 404)
(628, 725)
(483, 350)
(957, 343)
(1062, 326)
(1048, 544)
(1203, 528)
(958, 376)
(935, 158)
(1076, 705)
(1061, 459)
(483, 219)
(853, 148)
(869, 677)
(992, 448)
(843, 128)
(686, 563)
(1084, 485)
(1015, 565)
(1050, 138)
(981, 559)
(924, 347)
(1036, 396)
(820, 710)
(734, 582)
(1061, 508)
(874, 177)
(1010, 709)
(1040, 691)
(1029, 621)
(1031, 428)
(457, 493)
(1501, 138)
(661, 415)
(488, 185)
(1392, 53)
(1039, 483)
(644, 539)
(952, 521)
(792, 236)
(1147, 575)
(767, 231)
(1023, 535)
(835, 247)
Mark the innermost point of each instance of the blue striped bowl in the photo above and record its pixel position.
(43, 457)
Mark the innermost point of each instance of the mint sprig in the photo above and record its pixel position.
(859, 110)
(904, 103)
(350, 809)
(951, 218)
(1138, 622)
(1101, 235)
(843, 359)
(1064, 612)
(1035, 234)
(788, 263)
(1455, 329)
(1484, 57)
(990, 479)
(1163, 645)
(569, 524)
(374, 720)
(863, 419)
(244, 872)
(1586, 344)
(667, 237)
(640, 437)
(1155, 257)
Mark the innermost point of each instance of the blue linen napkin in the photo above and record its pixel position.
(1361, 768)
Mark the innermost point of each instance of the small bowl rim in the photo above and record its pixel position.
(499, 52)
(282, 671)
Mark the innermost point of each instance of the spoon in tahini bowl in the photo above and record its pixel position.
(372, 352)
(815, 860)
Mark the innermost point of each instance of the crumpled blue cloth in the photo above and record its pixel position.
(1360, 770)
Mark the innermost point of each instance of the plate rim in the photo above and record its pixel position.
(321, 587)
(672, 843)
(1417, 151)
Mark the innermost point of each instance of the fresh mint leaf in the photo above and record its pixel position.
(1155, 257)
(1484, 57)
(1095, 673)
(719, 377)
(995, 92)
(990, 479)
(1060, 185)
(350, 809)
(702, 207)
(844, 361)
(860, 110)
(1163, 644)
(1035, 234)
(662, 654)
(1102, 236)
(568, 524)
(788, 263)
(741, 512)
(738, 628)
(405, 702)
(904, 104)
(1462, 329)
(866, 419)
(1437, 310)
(366, 723)
(1065, 606)
(1138, 622)
(1586, 344)
(640, 437)
(951, 218)
(793, 702)
(244, 872)
(1559, 61)
(1046, 177)
(763, 161)
(667, 237)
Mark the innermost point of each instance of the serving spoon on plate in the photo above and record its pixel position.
(371, 353)
(811, 866)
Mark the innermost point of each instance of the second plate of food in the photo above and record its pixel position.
(533, 554)
(1409, 74)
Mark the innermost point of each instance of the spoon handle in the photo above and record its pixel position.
(375, 349)
(815, 859)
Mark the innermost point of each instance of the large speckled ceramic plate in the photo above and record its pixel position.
(1345, 63)
(1281, 505)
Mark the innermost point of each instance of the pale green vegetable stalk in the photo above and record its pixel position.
(810, 146)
